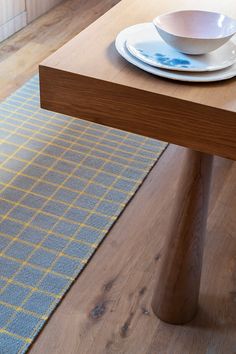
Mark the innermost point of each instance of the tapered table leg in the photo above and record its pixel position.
(176, 296)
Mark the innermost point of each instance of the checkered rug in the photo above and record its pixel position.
(63, 183)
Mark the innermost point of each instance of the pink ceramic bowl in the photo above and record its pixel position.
(195, 31)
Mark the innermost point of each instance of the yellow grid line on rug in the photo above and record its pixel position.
(80, 144)
(28, 296)
(106, 145)
(64, 160)
(52, 306)
(72, 130)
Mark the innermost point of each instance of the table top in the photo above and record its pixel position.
(89, 71)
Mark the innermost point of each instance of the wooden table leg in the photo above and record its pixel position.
(176, 296)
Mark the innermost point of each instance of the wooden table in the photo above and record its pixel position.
(87, 78)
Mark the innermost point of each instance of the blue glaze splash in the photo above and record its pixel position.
(159, 55)
(167, 61)
(173, 62)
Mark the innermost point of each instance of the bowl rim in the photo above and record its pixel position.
(190, 37)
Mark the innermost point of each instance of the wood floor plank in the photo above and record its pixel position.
(108, 308)
(21, 54)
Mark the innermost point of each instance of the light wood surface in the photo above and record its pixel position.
(36, 8)
(176, 297)
(21, 54)
(108, 309)
(107, 93)
(87, 77)
(15, 14)
(10, 9)
(71, 330)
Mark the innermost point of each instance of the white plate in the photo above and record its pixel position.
(149, 47)
(174, 75)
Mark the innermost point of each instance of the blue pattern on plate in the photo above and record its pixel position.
(167, 61)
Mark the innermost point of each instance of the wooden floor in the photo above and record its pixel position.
(108, 308)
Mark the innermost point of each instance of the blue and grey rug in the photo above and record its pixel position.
(63, 183)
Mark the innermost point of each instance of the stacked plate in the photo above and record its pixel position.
(142, 46)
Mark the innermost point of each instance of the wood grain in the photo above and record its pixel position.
(176, 297)
(128, 325)
(108, 310)
(196, 126)
(21, 54)
(36, 8)
(15, 14)
(88, 78)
